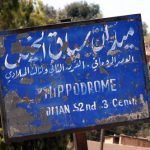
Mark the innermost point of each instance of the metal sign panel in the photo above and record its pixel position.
(72, 76)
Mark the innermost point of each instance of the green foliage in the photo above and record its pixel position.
(25, 13)
(15, 14)
(50, 12)
(136, 129)
(42, 14)
(83, 10)
(145, 29)
(51, 143)
(93, 135)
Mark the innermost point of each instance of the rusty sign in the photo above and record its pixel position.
(72, 75)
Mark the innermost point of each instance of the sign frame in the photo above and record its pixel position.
(67, 25)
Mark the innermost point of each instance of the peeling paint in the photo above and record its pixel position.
(65, 98)
(69, 60)
(3, 68)
(103, 71)
(2, 49)
(46, 126)
(64, 47)
(22, 35)
(2, 52)
(17, 48)
(113, 52)
(27, 81)
(141, 114)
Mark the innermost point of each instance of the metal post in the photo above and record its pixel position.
(102, 139)
(80, 141)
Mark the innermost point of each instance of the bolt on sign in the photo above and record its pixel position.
(70, 76)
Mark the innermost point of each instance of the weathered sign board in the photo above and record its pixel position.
(71, 76)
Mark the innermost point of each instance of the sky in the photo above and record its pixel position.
(111, 8)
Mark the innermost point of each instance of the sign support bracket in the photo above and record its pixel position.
(80, 141)
(102, 139)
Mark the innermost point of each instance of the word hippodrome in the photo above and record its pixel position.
(81, 88)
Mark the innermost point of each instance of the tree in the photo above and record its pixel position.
(15, 13)
(42, 14)
(25, 13)
(82, 10)
(145, 29)
(50, 14)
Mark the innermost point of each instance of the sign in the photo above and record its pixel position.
(72, 75)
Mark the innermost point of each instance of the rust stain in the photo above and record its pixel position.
(77, 46)
(72, 58)
(43, 115)
(64, 47)
(2, 49)
(122, 118)
(69, 60)
(11, 99)
(22, 35)
(26, 81)
(43, 81)
(44, 65)
(103, 71)
(3, 68)
(47, 125)
(27, 100)
(65, 98)
(18, 119)
(39, 98)
(17, 48)
(30, 49)
(113, 52)
(143, 113)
